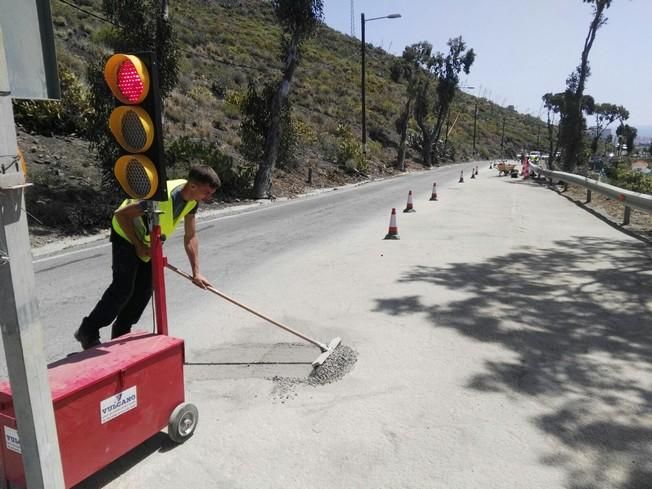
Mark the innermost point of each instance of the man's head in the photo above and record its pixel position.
(202, 183)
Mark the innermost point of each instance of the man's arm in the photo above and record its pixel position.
(125, 216)
(191, 244)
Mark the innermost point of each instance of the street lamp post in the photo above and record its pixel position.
(363, 78)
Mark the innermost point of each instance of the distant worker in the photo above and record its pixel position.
(525, 166)
(125, 299)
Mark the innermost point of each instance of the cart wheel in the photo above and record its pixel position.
(183, 422)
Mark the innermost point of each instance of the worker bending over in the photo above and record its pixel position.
(125, 299)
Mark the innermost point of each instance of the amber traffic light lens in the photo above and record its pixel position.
(132, 127)
(137, 176)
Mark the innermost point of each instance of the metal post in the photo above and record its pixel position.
(363, 49)
(158, 272)
(475, 124)
(502, 141)
(22, 333)
(364, 113)
(448, 123)
(538, 137)
(628, 214)
(588, 196)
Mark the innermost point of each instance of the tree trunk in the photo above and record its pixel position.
(573, 149)
(551, 151)
(405, 117)
(427, 148)
(263, 180)
(436, 131)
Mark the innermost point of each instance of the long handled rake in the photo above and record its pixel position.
(326, 350)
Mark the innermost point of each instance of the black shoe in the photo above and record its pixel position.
(86, 340)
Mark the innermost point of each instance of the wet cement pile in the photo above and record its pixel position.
(336, 366)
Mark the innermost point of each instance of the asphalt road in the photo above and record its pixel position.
(234, 247)
(503, 342)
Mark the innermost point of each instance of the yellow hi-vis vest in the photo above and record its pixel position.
(166, 219)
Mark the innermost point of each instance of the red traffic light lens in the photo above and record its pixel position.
(129, 82)
(127, 77)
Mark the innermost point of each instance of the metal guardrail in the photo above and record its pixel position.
(628, 198)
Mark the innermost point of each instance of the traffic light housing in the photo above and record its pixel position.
(136, 125)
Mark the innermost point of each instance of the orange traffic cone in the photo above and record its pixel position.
(410, 205)
(393, 228)
(434, 191)
(461, 180)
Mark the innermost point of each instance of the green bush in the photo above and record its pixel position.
(237, 179)
(349, 150)
(255, 108)
(74, 210)
(631, 180)
(66, 116)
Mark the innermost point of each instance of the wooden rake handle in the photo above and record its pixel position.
(319, 345)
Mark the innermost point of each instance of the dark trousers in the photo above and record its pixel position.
(127, 296)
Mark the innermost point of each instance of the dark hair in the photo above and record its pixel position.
(204, 174)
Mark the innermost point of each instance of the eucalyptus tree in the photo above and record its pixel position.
(409, 67)
(572, 122)
(436, 91)
(627, 134)
(299, 20)
(605, 114)
(554, 105)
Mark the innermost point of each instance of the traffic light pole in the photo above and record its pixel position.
(158, 272)
(22, 333)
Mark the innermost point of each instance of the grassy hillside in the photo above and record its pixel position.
(226, 43)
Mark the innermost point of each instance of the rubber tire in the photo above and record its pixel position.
(183, 413)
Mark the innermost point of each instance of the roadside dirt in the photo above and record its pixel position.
(67, 200)
(611, 211)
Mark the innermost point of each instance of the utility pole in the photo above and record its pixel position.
(22, 333)
(364, 109)
(538, 136)
(475, 124)
(448, 123)
(502, 140)
(352, 22)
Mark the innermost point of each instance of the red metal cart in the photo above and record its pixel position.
(109, 399)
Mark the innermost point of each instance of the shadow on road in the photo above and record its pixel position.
(577, 316)
(160, 442)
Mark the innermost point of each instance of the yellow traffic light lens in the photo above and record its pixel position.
(127, 77)
(132, 127)
(137, 176)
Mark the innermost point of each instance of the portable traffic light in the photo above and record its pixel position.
(136, 125)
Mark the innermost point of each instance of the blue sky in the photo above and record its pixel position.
(524, 48)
